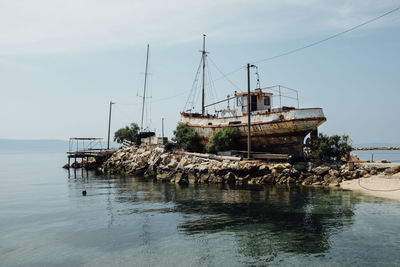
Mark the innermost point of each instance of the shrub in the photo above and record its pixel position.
(329, 148)
(222, 139)
(130, 133)
(186, 138)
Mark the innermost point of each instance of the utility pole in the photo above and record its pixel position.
(109, 125)
(248, 113)
(162, 128)
(144, 89)
(204, 53)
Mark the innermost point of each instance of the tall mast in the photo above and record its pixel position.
(204, 68)
(144, 89)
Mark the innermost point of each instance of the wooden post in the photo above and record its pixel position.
(109, 125)
(162, 128)
(248, 113)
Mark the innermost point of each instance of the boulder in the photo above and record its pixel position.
(321, 170)
(392, 170)
(229, 177)
(334, 173)
(164, 176)
(182, 163)
(192, 178)
(204, 178)
(300, 166)
(201, 168)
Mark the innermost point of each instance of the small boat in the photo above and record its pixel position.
(280, 129)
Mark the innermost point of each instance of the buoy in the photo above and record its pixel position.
(84, 192)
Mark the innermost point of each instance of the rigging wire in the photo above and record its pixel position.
(224, 75)
(212, 96)
(328, 38)
(314, 43)
(193, 90)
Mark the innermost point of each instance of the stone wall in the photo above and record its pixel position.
(176, 167)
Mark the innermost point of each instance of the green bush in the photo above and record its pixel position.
(130, 133)
(329, 148)
(222, 139)
(186, 138)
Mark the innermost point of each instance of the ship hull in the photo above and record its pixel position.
(274, 132)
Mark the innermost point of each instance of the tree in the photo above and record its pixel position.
(222, 139)
(329, 148)
(130, 133)
(186, 138)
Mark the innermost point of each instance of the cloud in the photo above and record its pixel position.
(59, 26)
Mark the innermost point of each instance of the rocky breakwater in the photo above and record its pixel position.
(193, 168)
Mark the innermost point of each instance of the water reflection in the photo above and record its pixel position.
(264, 220)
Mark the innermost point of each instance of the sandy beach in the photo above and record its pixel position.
(385, 186)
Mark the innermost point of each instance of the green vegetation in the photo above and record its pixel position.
(130, 133)
(329, 148)
(222, 139)
(186, 138)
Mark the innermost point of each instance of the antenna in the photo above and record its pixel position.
(144, 88)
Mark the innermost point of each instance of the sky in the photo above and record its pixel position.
(62, 62)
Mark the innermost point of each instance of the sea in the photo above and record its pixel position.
(130, 221)
(378, 155)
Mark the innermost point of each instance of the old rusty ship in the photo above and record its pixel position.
(273, 129)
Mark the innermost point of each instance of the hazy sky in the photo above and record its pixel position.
(61, 62)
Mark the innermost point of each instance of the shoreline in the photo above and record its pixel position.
(383, 186)
(195, 168)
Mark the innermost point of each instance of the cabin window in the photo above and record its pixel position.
(253, 103)
(238, 101)
(267, 101)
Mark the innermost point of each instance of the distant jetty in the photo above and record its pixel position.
(377, 148)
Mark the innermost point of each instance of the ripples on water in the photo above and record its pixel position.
(130, 221)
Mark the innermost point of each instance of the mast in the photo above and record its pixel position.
(204, 68)
(144, 88)
(248, 113)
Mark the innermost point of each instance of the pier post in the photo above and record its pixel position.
(248, 113)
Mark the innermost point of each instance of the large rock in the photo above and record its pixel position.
(172, 164)
(180, 178)
(182, 163)
(204, 178)
(300, 166)
(334, 173)
(164, 176)
(201, 168)
(321, 170)
(392, 170)
(229, 177)
(192, 178)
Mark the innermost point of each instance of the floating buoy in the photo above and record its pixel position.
(84, 192)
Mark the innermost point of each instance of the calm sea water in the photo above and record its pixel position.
(128, 221)
(378, 155)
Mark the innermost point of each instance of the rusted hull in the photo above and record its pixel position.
(279, 132)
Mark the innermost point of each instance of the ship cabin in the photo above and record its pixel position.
(260, 102)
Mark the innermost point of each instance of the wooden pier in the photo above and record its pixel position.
(85, 148)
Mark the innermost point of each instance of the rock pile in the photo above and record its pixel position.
(181, 168)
